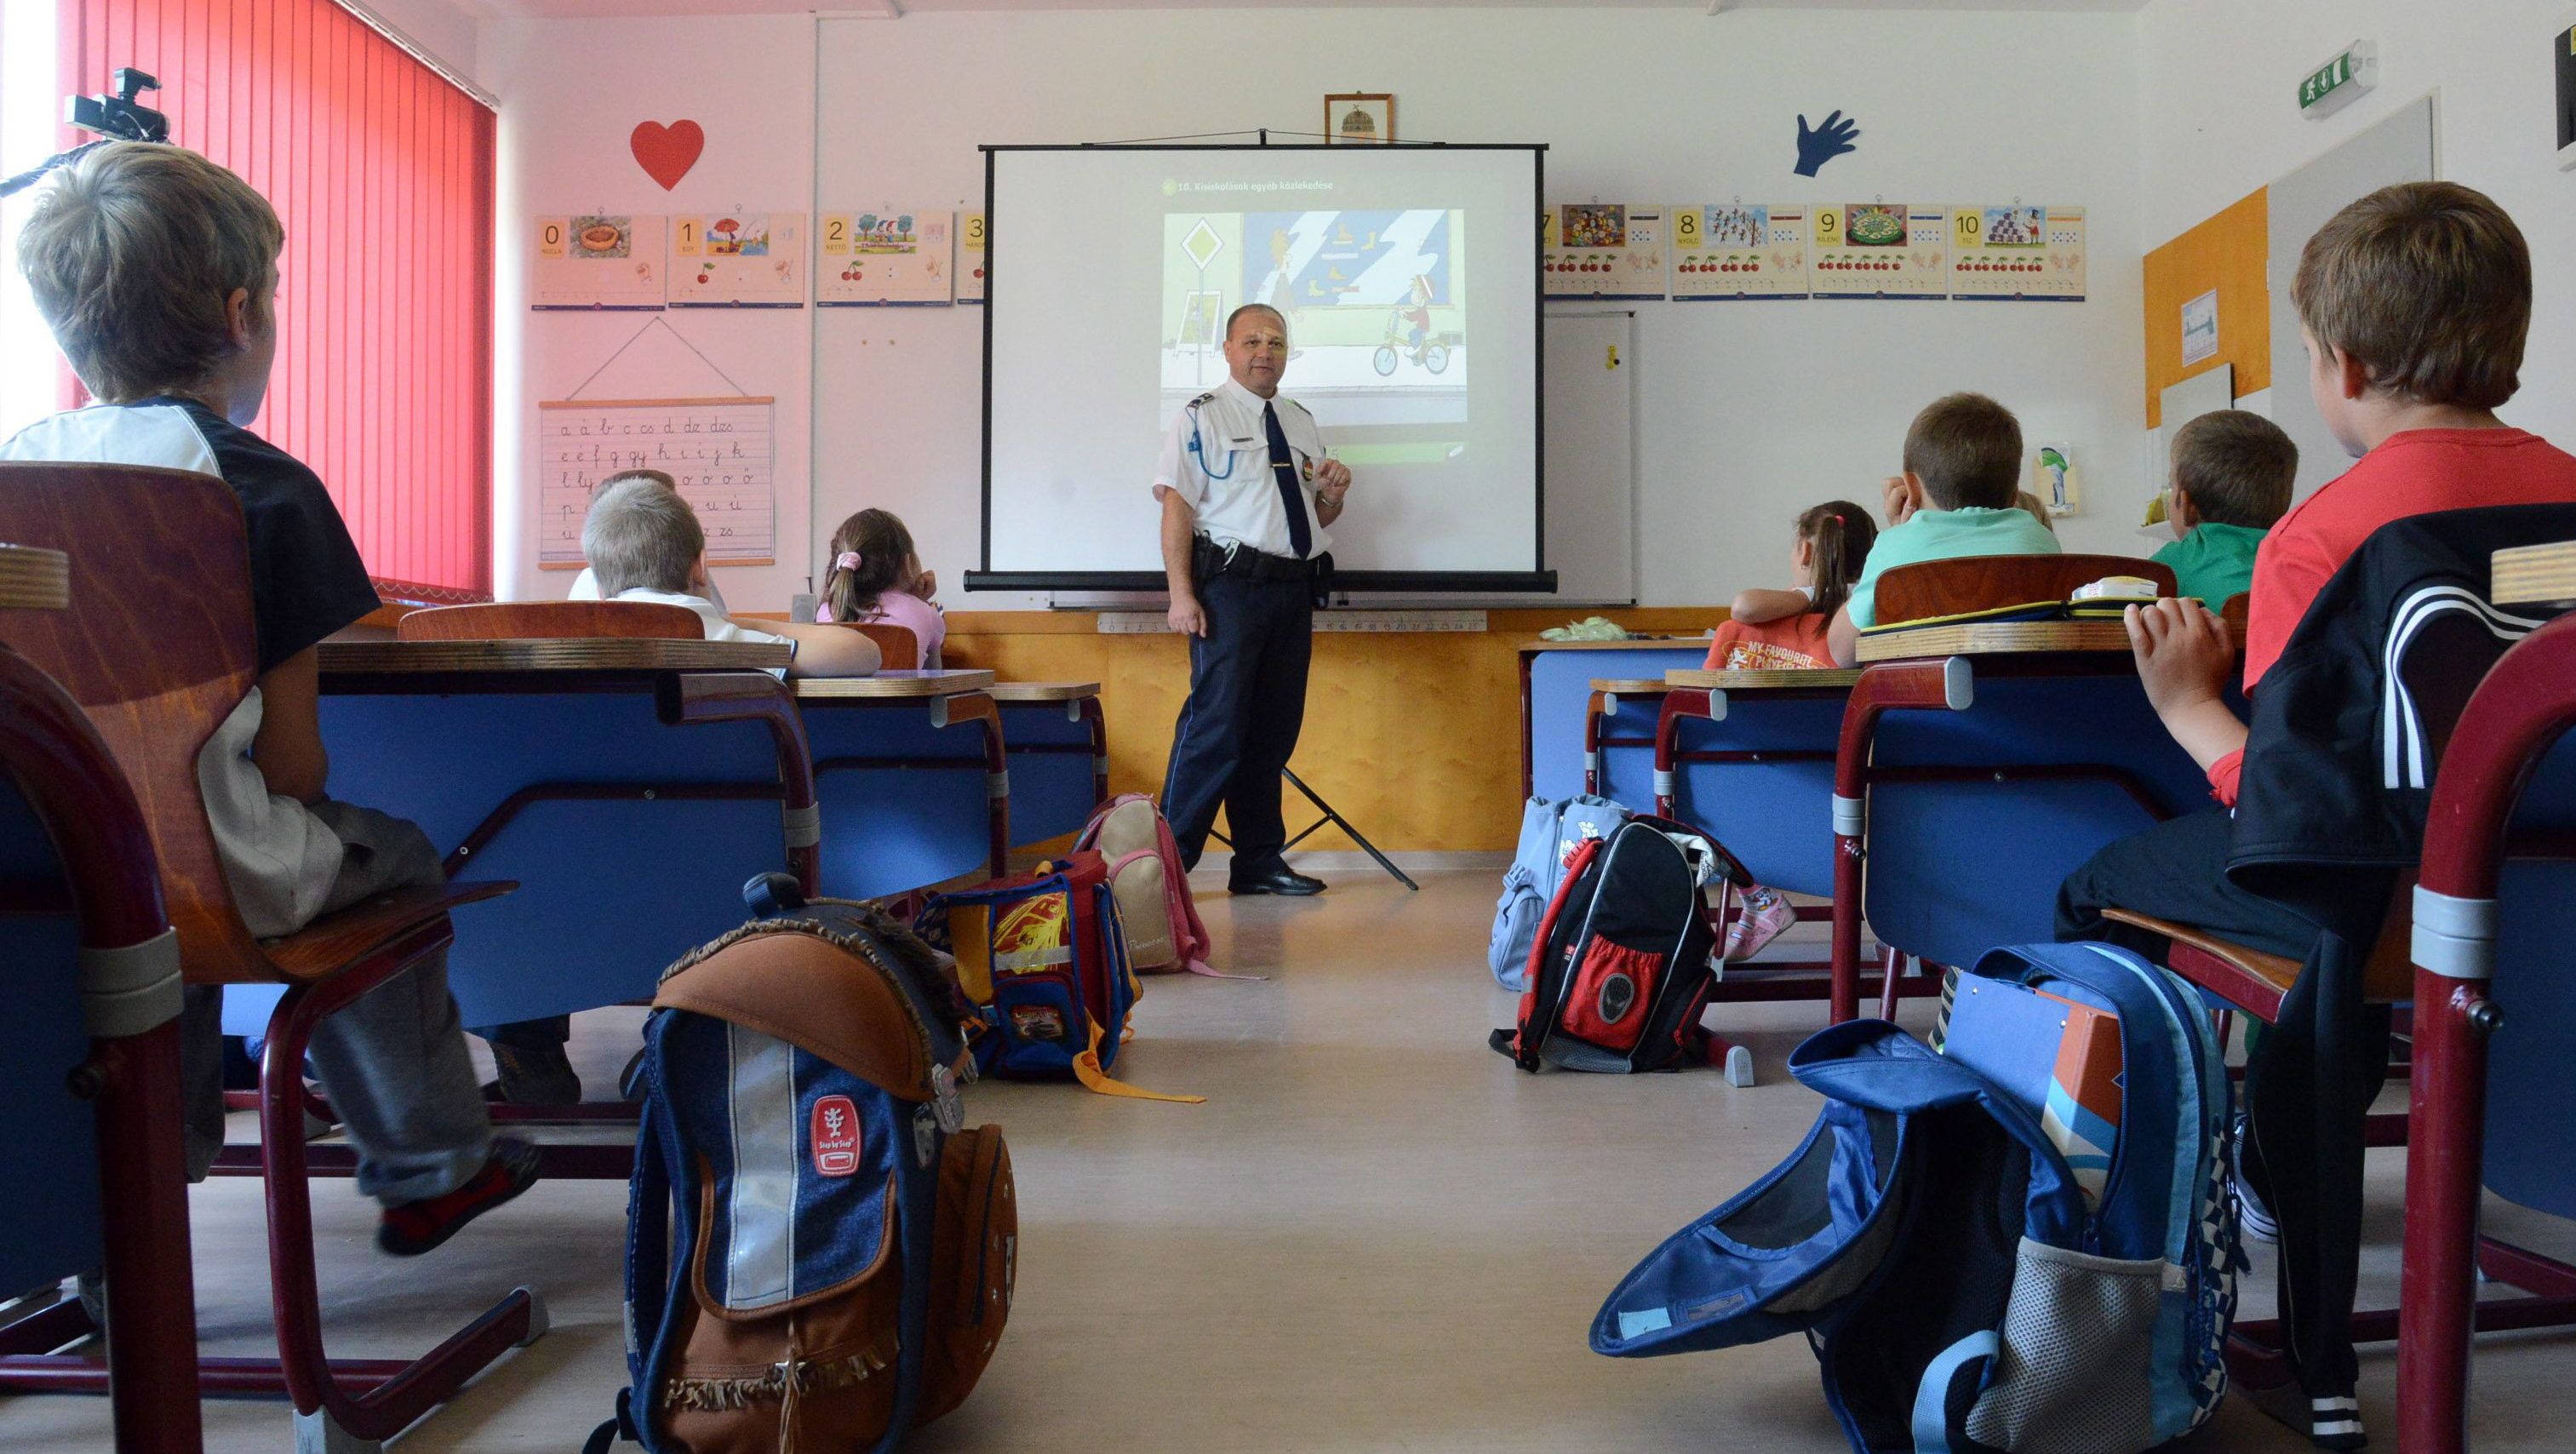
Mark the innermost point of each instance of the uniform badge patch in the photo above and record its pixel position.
(1309, 467)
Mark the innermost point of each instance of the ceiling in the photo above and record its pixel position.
(600, 9)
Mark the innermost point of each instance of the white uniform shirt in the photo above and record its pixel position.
(1226, 477)
(718, 626)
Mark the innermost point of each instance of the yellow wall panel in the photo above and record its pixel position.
(2228, 253)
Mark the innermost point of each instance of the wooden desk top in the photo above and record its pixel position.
(1630, 686)
(34, 578)
(590, 653)
(1996, 638)
(1043, 691)
(892, 686)
(1642, 643)
(2536, 575)
(1761, 680)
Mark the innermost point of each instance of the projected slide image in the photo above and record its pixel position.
(1375, 303)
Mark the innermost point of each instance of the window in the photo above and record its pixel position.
(381, 170)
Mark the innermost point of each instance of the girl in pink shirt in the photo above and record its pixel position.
(876, 576)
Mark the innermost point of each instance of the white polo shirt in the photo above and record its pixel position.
(1227, 479)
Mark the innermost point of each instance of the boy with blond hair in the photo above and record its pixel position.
(157, 270)
(1960, 495)
(2413, 304)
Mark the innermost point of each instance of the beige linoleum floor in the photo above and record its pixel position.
(1376, 1235)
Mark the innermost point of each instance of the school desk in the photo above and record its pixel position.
(630, 786)
(1977, 766)
(912, 776)
(2493, 1014)
(1058, 746)
(1566, 734)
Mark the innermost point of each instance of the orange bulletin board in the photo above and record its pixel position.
(2227, 254)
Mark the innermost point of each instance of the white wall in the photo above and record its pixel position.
(1748, 412)
(2217, 86)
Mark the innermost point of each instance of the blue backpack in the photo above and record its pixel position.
(1966, 1285)
(1550, 832)
(819, 1255)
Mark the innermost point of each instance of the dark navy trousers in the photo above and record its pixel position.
(1237, 730)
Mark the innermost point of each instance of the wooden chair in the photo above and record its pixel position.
(897, 644)
(88, 825)
(552, 620)
(1984, 582)
(158, 649)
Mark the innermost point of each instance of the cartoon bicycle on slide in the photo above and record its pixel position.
(1408, 332)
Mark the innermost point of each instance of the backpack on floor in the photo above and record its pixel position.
(1967, 1284)
(1044, 957)
(1624, 956)
(819, 1255)
(1160, 920)
(1551, 829)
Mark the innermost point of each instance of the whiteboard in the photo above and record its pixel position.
(1591, 416)
(718, 451)
(2399, 149)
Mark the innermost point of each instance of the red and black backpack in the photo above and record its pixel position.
(1623, 961)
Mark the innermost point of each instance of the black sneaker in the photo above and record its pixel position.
(533, 1077)
(415, 1227)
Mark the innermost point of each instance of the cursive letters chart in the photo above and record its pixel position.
(718, 450)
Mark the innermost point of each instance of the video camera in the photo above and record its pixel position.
(117, 116)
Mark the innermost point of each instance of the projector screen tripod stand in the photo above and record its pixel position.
(1334, 819)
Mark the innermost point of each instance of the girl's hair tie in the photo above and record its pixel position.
(849, 560)
(1837, 519)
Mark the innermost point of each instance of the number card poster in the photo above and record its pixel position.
(2017, 254)
(1881, 250)
(889, 257)
(1739, 250)
(1602, 250)
(740, 260)
(970, 257)
(598, 261)
(718, 450)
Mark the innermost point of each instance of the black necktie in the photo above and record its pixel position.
(1283, 468)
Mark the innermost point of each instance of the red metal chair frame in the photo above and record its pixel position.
(56, 760)
(2523, 706)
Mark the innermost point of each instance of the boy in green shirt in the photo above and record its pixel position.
(2232, 474)
(1960, 495)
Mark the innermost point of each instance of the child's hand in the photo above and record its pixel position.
(925, 586)
(2185, 656)
(1898, 502)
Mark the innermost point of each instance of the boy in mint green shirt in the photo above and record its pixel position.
(1960, 495)
(2232, 476)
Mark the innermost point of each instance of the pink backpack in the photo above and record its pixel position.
(1164, 935)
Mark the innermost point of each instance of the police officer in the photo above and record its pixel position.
(1246, 493)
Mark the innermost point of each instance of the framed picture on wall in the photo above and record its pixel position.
(1359, 118)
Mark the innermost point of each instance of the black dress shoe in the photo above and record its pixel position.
(1279, 878)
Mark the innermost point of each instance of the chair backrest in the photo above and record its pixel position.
(2236, 610)
(551, 620)
(897, 644)
(1984, 582)
(158, 648)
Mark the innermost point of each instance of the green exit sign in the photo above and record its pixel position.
(2332, 86)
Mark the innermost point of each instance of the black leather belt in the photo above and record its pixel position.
(1211, 560)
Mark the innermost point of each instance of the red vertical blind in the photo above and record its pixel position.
(381, 170)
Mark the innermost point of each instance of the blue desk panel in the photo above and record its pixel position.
(50, 1226)
(1052, 791)
(889, 829)
(1777, 817)
(2528, 1155)
(1560, 692)
(1958, 867)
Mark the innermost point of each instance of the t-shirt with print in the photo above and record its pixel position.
(1946, 535)
(1792, 643)
(306, 582)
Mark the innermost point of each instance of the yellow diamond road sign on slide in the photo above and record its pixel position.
(1202, 244)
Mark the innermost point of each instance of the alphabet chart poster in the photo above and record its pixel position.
(1881, 250)
(895, 256)
(1602, 250)
(598, 261)
(2017, 253)
(717, 450)
(738, 260)
(1736, 250)
(970, 257)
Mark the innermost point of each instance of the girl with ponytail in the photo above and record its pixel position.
(1775, 630)
(875, 575)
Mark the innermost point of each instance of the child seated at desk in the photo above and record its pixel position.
(157, 270)
(2232, 475)
(644, 543)
(876, 576)
(1960, 495)
(2414, 303)
(1784, 630)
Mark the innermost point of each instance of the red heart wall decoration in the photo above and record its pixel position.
(667, 152)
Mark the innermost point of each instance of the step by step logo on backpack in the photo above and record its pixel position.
(835, 1135)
